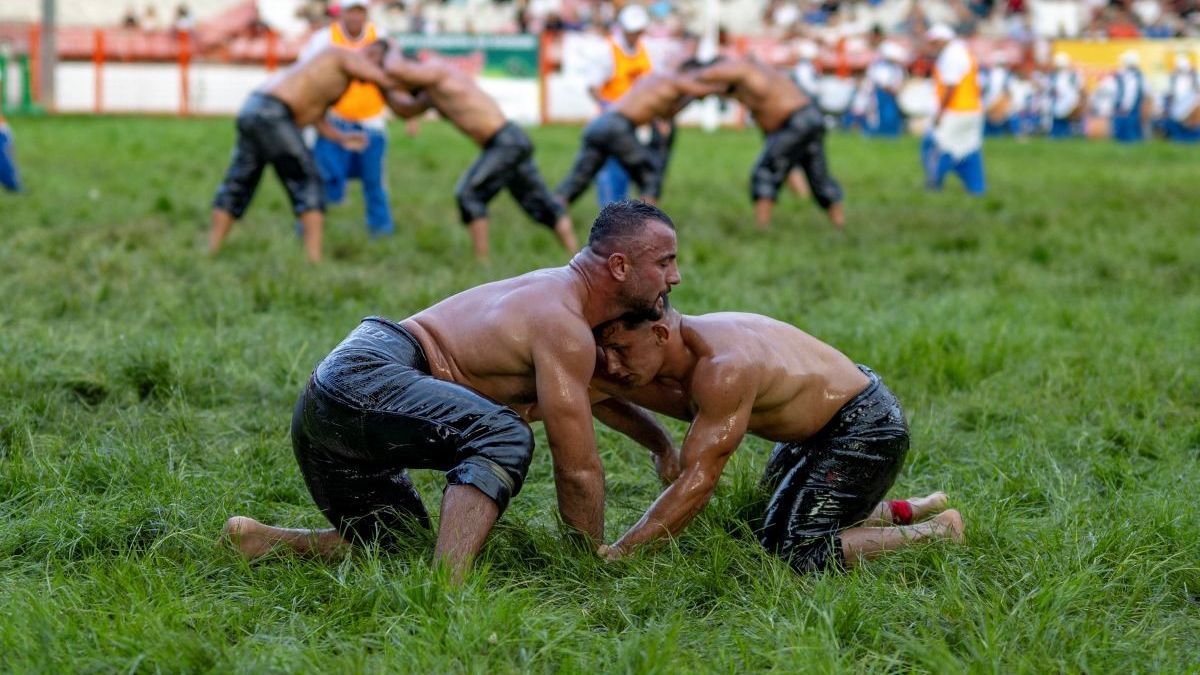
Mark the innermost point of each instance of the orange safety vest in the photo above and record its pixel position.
(362, 100)
(967, 97)
(626, 70)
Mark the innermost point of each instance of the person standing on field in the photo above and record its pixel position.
(955, 140)
(360, 112)
(625, 62)
(10, 179)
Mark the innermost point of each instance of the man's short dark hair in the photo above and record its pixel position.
(621, 221)
(635, 318)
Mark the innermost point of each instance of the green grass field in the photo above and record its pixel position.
(1043, 339)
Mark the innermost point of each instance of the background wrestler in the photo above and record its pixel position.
(656, 97)
(269, 126)
(794, 130)
(507, 157)
(841, 436)
(436, 391)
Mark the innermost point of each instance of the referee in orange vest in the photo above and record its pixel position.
(352, 138)
(627, 60)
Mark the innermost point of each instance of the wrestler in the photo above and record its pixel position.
(269, 126)
(794, 130)
(437, 390)
(840, 434)
(656, 97)
(507, 157)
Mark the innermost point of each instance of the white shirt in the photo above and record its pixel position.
(604, 67)
(1184, 92)
(1131, 85)
(994, 82)
(319, 40)
(1064, 93)
(886, 75)
(954, 62)
(807, 78)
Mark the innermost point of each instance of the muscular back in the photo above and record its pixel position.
(770, 95)
(310, 87)
(456, 96)
(482, 338)
(653, 96)
(799, 383)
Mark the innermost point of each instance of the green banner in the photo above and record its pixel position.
(499, 56)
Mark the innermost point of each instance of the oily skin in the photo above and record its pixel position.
(730, 374)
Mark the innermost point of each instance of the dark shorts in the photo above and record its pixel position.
(613, 135)
(800, 142)
(506, 162)
(267, 134)
(371, 411)
(833, 481)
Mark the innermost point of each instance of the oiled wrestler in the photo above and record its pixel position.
(841, 437)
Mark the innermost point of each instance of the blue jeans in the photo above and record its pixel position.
(1180, 132)
(1127, 128)
(9, 178)
(890, 120)
(337, 165)
(1063, 128)
(939, 164)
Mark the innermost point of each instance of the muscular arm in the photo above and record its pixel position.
(634, 422)
(361, 68)
(694, 88)
(723, 74)
(406, 105)
(726, 398)
(563, 360)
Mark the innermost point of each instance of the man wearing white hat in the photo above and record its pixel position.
(359, 114)
(885, 77)
(1064, 97)
(955, 140)
(996, 82)
(1182, 105)
(625, 61)
(805, 72)
(1131, 108)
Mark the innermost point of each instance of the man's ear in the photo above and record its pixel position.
(618, 266)
(661, 333)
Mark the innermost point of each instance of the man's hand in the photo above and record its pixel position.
(666, 465)
(355, 141)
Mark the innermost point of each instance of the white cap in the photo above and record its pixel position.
(892, 51)
(1061, 60)
(1130, 59)
(940, 32)
(1182, 62)
(785, 15)
(633, 19)
(350, 4)
(807, 49)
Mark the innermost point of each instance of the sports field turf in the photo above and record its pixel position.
(1043, 340)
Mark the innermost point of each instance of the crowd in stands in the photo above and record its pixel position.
(1022, 20)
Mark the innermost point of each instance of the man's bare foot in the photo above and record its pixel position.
(248, 536)
(924, 507)
(837, 215)
(950, 526)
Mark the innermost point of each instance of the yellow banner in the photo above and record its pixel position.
(1097, 59)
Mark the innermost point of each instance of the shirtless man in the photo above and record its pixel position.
(269, 133)
(794, 129)
(841, 436)
(654, 98)
(507, 157)
(436, 390)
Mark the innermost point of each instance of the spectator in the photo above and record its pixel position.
(885, 77)
(130, 20)
(1182, 104)
(1131, 109)
(184, 23)
(1065, 99)
(996, 84)
(150, 21)
(358, 117)
(10, 179)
